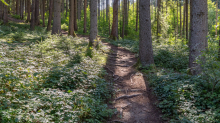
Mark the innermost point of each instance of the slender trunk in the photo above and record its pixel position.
(5, 17)
(17, 7)
(187, 21)
(180, 18)
(71, 19)
(158, 18)
(93, 22)
(85, 16)
(1, 10)
(28, 10)
(145, 45)
(79, 9)
(177, 29)
(75, 15)
(43, 12)
(32, 26)
(216, 27)
(99, 10)
(137, 13)
(126, 16)
(13, 6)
(184, 19)
(50, 15)
(114, 33)
(123, 24)
(21, 8)
(66, 7)
(37, 22)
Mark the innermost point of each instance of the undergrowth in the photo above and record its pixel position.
(46, 78)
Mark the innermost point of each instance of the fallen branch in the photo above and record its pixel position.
(117, 121)
(128, 96)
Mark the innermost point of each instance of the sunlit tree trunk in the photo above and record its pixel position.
(158, 17)
(85, 16)
(145, 45)
(93, 22)
(33, 15)
(114, 33)
(56, 29)
(198, 33)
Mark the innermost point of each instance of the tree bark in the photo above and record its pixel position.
(85, 16)
(184, 19)
(198, 33)
(114, 33)
(93, 22)
(43, 12)
(75, 15)
(126, 16)
(22, 9)
(32, 26)
(57, 17)
(79, 9)
(180, 18)
(71, 19)
(158, 17)
(50, 15)
(62, 6)
(137, 15)
(123, 23)
(216, 14)
(145, 45)
(17, 7)
(28, 10)
(187, 21)
(1, 10)
(5, 17)
(177, 17)
(37, 22)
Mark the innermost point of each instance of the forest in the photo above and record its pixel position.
(109, 61)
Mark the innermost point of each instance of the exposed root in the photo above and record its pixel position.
(127, 96)
(111, 71)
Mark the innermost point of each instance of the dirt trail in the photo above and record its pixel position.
(134, 100)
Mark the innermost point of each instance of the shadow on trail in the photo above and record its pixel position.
(133, 99)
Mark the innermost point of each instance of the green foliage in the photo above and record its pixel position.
(48, 78)
(16, 16)
(64, 27)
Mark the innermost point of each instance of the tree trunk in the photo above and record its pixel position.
(50, 15)
(43, 12)
(177, 18)
(216, 14)
(66, 7)
(37, 22)
(57, 17)
(145, 45)
(79, 9)
(62, 6)
(71, 19)
(126, 16)
(85, 16)
(13, 7)
(184, 19)
(1, 10)
(33, 16)
(93, 22)
(107, 15)
(28, 10)
(198, 33)
(99, 10)
(137, 15)
(158, 18)
(17, 7)
(5, 17)
(114, 33)
(75, 15)
(187, 21)
(123, 23)
(180, 18)
(22, 9)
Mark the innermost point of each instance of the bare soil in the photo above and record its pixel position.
(133, 99)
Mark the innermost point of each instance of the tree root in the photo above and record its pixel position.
(127, 96)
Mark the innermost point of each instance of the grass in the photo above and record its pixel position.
(48, 78)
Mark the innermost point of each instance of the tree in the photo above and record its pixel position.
(1, 10)
(85, 13)
(22, 9)
(75, 15)
(56, 29)
(187, 21)
(114, 33)
(50, 15)
(28, 10)
(17, 7)
(145, 45)
(158, 17)
(33, 16)
(5, 17)
(198, 33)
(71, 19)
(37, 22)
(43, 12)
(137, 10)
(93, 22)
(79, 9)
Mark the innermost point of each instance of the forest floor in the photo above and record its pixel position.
(133, 98)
